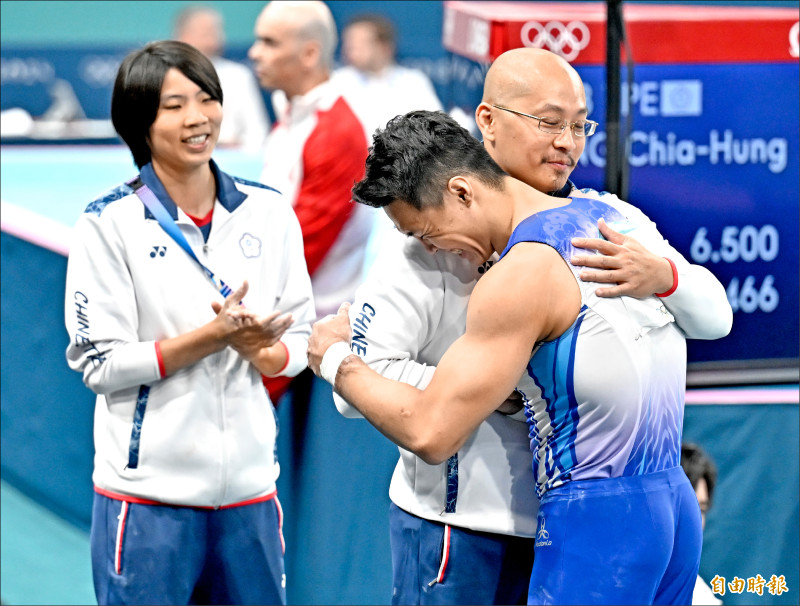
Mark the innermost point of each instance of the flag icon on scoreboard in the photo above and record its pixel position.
(681, 98)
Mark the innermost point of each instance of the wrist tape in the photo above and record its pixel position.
(332, 360)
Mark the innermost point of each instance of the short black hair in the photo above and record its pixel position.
(697, 464)
(414, 157)
(137, 89)
(383, 28)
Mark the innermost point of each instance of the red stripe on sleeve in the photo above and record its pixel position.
(674, 280)
(161, 369)
(286, 349)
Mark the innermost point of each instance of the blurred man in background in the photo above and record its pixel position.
(374, 84)
(317, 148)
(378, 89)
(245, 122)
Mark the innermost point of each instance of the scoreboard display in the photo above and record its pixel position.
(713, 144)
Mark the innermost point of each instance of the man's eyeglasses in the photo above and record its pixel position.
(554, 126)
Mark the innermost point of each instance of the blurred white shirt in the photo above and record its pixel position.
(377, 99)
(245, 122)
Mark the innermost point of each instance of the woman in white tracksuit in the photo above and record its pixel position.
(185, 508)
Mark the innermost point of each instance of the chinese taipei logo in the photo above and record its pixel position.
(251, 246)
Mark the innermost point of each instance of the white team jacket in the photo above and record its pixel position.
(409, 311)
(207, 436)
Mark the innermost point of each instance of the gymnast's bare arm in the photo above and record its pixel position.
(529, 296)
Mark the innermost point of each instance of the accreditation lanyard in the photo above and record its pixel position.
(165, 220)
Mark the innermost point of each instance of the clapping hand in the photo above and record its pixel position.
(248, 332)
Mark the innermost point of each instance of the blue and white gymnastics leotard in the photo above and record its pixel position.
(619, 521)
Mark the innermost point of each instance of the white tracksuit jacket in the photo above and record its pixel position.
(207, 435)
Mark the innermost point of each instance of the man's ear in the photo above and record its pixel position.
(461, 188)
(484, 117)
(310, 53)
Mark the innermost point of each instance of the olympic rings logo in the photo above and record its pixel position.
(565, 40)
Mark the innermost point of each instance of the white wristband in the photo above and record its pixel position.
(332, 360)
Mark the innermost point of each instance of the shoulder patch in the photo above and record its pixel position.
(253, 184)
(97, 206)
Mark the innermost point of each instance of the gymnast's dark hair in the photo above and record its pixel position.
(137, 89)
(697, 464)
(414, 157)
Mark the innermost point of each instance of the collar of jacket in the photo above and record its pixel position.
(227, 193)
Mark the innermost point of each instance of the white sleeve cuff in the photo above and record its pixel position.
(296, 349)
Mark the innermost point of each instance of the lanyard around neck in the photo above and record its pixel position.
(156, 208)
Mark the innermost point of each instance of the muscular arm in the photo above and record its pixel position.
(411, 307)
(529, 296)
(409, 310)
